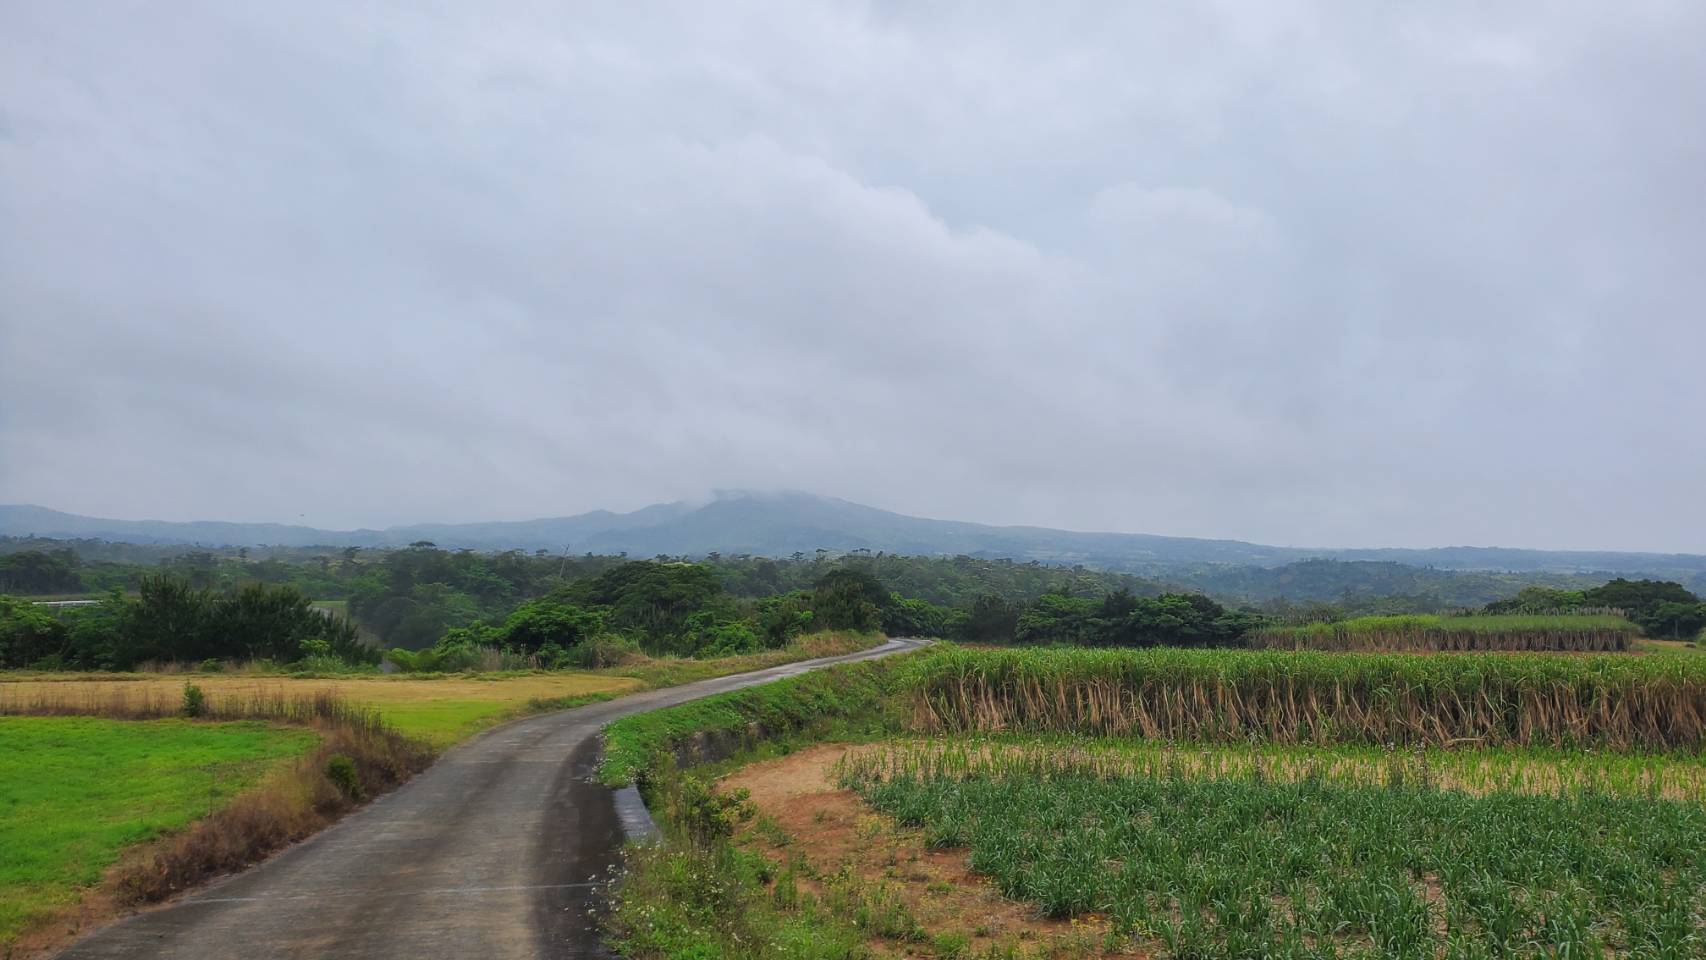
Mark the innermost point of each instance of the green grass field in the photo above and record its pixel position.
(1207, 862)
(75, 791)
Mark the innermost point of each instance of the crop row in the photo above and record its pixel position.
(1251, 866)
(1479, 772)
(1593, 633)
(1650, 703)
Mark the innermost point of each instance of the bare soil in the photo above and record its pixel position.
(833, 829)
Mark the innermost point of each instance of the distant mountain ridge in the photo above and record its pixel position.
(787, 523)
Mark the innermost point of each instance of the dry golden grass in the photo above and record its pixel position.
(440, 710)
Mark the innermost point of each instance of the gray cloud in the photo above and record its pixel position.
(1306, 273)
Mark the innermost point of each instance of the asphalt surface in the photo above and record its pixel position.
(496, 851)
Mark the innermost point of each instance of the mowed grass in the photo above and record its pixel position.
(440, 710)
(1199, 863)
(75, 791)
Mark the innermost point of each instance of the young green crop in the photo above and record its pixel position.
(1249, 866)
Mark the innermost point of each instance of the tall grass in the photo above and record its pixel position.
(1561, 633)
(1527, 772)
(1614, 702)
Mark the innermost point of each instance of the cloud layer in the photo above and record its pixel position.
(1303, 273)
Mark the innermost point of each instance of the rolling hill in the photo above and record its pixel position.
(781, 524)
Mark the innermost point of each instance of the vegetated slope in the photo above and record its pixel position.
(787, 523)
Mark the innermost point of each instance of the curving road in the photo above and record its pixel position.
(495, 852)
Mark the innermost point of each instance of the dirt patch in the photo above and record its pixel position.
(802, 812)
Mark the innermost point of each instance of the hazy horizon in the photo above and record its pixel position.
(730, 494)
(1294, 274)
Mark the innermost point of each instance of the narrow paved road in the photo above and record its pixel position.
(495, 852)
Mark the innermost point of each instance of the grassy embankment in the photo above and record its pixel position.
(1313, 841)
(1562, 633)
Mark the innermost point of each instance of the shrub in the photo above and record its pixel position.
(606, 650)
(340, 769)
(707, 815)
(195, 702)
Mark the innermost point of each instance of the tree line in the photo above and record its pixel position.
(169, 620)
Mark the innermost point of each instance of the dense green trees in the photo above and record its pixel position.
(1123, 620)
(169, 620)
(546, 605)
(1660, 608)
(29, 633)
(38, 572)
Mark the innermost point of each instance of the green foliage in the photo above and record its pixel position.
(991, 619)
(173, 621)
(906, 617)
(849, 697)
(651, 600)
(1251, 867)
(539, 623)
(1609, 701)
(781, 619)
(38, 572)
(29, 634)
(707, 815)
(849, 598)
(1578, 633)
(1121, 619)
(708, 635)
(194, 703)
(340, 770)
(1660, 608)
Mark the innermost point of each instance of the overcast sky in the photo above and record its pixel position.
(1302, 273)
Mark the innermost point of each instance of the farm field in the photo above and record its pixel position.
(1202, 863)
(440, 710)
(1605, 701)
(75, 791)
(1561, 633)
(1177, 803)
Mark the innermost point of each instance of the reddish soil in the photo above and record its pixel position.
(833, 829)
